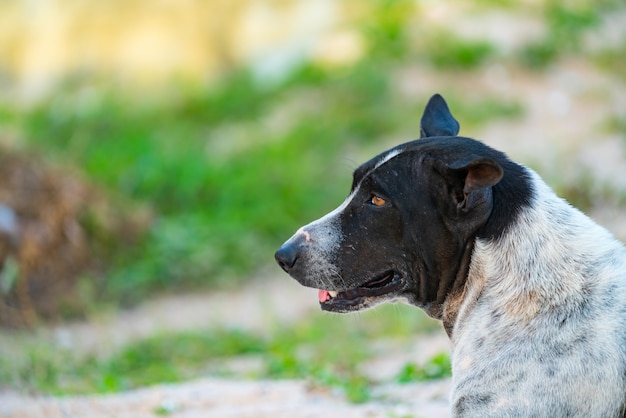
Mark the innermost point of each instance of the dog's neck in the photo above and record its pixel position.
(453, 275)
(537, 264)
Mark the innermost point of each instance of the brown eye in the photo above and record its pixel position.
(378, 201)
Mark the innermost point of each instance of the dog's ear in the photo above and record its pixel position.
(437, 119)
(471, 179)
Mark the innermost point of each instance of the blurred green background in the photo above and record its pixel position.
(154, 154)
(202, 134)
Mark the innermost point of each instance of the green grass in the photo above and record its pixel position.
(326, 350)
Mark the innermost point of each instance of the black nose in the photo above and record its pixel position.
(286, 256)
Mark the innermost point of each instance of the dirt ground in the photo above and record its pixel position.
(253, 307)
(225, 399)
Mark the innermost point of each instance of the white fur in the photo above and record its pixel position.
(542, 324)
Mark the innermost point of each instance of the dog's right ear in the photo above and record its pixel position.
(437, 119)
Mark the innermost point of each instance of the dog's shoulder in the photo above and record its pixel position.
(545, 302)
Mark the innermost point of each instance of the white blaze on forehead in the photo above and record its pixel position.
(329, 222)
(391, 154)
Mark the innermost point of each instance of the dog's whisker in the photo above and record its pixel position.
(340, 278)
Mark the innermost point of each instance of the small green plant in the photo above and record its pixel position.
(436, 368)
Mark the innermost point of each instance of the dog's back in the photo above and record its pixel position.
(541, 330)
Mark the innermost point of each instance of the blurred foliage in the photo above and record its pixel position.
(226, 172)
(612, 60)
(214, 211)
(584, 191)
(303, 351)
(566, 23)
(222, 169)
(437, 367)
(391, 36)
(387, 28)
(446, 50)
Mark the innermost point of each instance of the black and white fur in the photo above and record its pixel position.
(531, 292)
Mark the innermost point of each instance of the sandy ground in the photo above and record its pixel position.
(224, 398)
(253, 307)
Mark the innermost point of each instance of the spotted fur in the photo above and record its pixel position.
(541, 330)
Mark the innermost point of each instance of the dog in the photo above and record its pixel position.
(531, 292)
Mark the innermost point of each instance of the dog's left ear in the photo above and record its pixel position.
(437, 119)
(471, 180)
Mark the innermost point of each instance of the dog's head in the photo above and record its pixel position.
(407, 228)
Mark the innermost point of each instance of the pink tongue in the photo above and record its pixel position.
(323, 295)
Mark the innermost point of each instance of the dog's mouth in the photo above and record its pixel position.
(374, 291)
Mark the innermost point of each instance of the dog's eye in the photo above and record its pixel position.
(378, 201)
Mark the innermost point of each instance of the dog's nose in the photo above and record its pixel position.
(287, 255)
